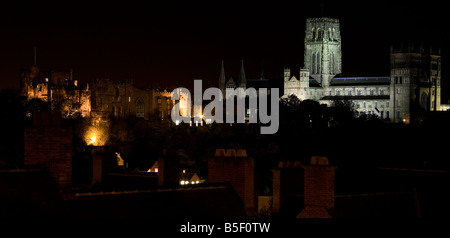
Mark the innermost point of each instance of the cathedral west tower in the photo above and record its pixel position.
(323, 55)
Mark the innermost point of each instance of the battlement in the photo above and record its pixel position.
(413, 47)
(322, 20)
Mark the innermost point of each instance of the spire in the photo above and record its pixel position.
(242, 82)
(263, 75)
(222, 78)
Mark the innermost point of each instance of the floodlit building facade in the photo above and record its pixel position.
(414, 81)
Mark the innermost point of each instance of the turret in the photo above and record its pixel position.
(287, 74)
(242, 82)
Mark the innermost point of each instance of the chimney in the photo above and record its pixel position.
(236, 168)
(168, 169)
(97, 162)
(318, 189)
(287, 181)
(48, 143)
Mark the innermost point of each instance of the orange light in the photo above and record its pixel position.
(93, 139)
(96, 134)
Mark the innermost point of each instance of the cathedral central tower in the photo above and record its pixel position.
(323, 57)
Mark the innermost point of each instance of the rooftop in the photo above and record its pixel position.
(344, 81)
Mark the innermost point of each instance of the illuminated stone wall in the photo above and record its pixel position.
(57, 88)
(322, 55)
(415, 76)
(122, 99)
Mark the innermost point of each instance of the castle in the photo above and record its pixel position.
(414, 81)
(102, 98)
(55, 88)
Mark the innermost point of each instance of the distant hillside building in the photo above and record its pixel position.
(55, 87)
(122, 99)
(415, 78)
(101, 98)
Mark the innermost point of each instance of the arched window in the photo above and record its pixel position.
(139, 109)
(424, 101)
(319, 34)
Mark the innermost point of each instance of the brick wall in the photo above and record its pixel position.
(287, 180)
(237, 169)
(319, 188)
(49, 143)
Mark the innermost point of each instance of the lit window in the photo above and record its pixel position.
(156, 170)
(129, 99)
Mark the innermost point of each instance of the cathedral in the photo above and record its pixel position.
(414, 81)
(230, 85)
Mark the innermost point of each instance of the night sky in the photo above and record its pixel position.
(170, 44)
